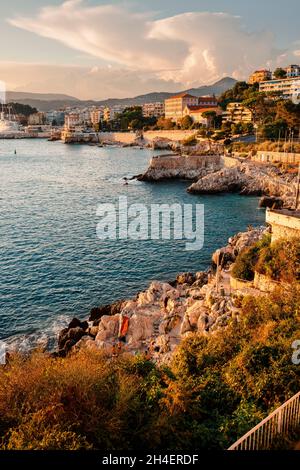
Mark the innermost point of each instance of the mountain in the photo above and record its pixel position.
(23, 95)
(48, 101)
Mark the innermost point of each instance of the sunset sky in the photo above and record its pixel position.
(99, 49)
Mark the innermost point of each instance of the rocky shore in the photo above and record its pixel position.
(156, 320)
(213, 174)
(249, 179)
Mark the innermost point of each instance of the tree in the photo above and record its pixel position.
(165, 124)
(279, 73)
(274, 129)
(186, 122)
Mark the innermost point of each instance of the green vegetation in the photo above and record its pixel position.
(274, 116)
(280, 261)
(216, 389)
(246, 261)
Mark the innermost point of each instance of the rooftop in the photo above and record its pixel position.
(181, 95)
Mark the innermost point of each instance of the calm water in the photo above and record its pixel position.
(52, 265)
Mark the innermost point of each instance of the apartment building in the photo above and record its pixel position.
(96, 115)
(260, 76)
(37, 119)
(175, 105)
(288, 88)
(292, 71)
(207, 101)
(196, 113)
(153, 109)
(71, 120)
(236, 113)
(109, 114)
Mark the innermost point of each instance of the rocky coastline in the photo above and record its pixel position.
(157, 319)
(215, 174)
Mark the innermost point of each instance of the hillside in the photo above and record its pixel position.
(46, 102)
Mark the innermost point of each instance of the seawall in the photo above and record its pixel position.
(148, 136)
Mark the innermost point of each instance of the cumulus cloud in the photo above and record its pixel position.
(192, 48)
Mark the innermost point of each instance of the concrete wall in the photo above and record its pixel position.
(149, 136)
(172, 135)
(239, 284)
(264, 283)
(284, 224)
(190, 162)
(230, 162)
(264, 156)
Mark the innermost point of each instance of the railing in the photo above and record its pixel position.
(283, 420)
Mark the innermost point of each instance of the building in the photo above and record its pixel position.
(72, 120)
(287, 88)
(284, 223)
(153, 109)
(109, 114)
(175, 105)
(96, 115)
(292, 71)
(55, 116)
(37, 119)
(196, 113)
(236, 113)
(260, 76)
(207, 101)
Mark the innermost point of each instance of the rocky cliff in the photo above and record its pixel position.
(250, 179)
(190, 167)
(157, 319)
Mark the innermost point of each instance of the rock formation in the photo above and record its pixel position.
(249, 179)
(156, 320)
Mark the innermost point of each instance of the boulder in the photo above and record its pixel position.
(70, 336)
(186, 278)
(77, 323)
(97, 312)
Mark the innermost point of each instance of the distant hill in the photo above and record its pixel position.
(48, 101)
(23, 95)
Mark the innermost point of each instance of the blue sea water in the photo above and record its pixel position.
(53, 266)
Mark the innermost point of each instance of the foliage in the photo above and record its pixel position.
(216, 388)
(281, 260)
(191, 140)
(186, 122)
(279, 73)
(24, 109)
(246, 261)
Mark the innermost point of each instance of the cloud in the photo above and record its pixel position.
(193, 48)
(83, 82)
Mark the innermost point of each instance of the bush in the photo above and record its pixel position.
(281, 261)
(245, 263)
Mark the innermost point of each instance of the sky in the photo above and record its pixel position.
(97, 49)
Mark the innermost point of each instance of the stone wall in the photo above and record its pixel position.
(190, 162)
(149, 136)
(264, 283)
(284, 223)
(264, 156)
(230, 162)
(239, 284)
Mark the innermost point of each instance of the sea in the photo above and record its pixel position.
(54, 267)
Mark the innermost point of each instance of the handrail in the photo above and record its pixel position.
(279, 422)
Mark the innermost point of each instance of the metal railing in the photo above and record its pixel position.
(283, 420)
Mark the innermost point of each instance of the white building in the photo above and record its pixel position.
(287, 88)
(292, 71)
(153, 109)
(96, 115)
